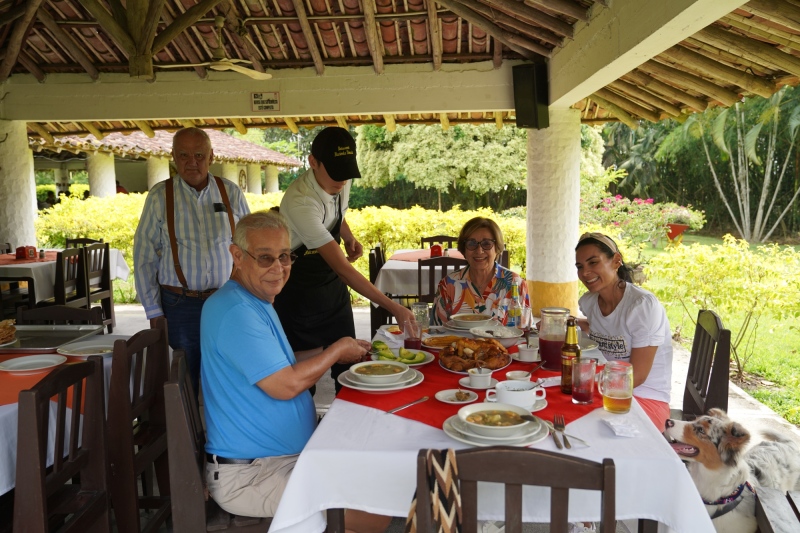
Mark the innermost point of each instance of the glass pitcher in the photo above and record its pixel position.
(552, 331)
(616, 386)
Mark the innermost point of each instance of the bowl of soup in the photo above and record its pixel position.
(494, 419)
(471, 320)
(379, 372)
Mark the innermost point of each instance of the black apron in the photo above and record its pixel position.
(314, 305)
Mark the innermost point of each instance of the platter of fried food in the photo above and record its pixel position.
(464, 354)
(437, 342)
(8, 333)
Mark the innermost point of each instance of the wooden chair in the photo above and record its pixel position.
(709, 365)
(59, 315)
(98, 281)
(378, 316)
(79, 242)
(139, 369)
(70, 286)
(503, 259)
(515, 467)
(13, 294)
(446, 241)
(44, 498)
(429, 267)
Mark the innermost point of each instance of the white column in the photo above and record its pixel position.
(554, 156)
(17, 186)
(254, 178)
(157, 170)
(230, 171)
(61, 176)
(271, 178)
(102, 176)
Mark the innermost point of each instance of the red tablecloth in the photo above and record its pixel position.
(434, 413)
(11, 383)
(11, 259)
(416, 255)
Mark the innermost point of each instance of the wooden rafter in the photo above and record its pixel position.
(497, 53)
(770, 33)
(13, 14)
(290, 123)
(757, 51)
(117, 33)
(17, 37)
(784, 13)
(182, 43)
(508, 21)
(341, 121)
(498, 120)
(627, 105)
(186, 19)
(371, 30)
(514, 8)
(617, 111)
(564, 7)
(445, 121)
(697, 83)
(31, 66)
(389, 121)
(645, 96)
(662, 89)
(186, 122)
(435, 35)
(91, 128)
(66, 40)
(145, 128)
(42, 132)
(239, 125)
(311, 40)
(244, 44)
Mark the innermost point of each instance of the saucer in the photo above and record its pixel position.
(448, 396)
(451, 430)
(538, 405)
(464, 382)
(515, 357)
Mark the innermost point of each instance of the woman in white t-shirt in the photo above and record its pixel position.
(627, 322)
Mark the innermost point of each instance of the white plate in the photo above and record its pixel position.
(464, 372)
(448, 396)
(527, 431)
(101, 345)
(344, 380)
(464, 382)
(385, 329)
(538, 405)
(453, 327)
(407, 376)
(452, 432)
(439, 348)
(12, 341)
(587, 344)
(32, 364)
(428, 356)
(515, 357)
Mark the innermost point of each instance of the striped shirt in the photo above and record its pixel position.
(203, 236)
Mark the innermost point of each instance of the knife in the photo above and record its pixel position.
(423, 399)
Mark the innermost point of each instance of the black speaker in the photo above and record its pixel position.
(531, 95)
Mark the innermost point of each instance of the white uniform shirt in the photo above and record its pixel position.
(638, 321)
(311, 211)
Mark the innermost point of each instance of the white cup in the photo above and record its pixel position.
(518, 375)
(520, 393)
(529, 353)
(480, 377)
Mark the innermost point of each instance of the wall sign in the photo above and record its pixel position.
(265, 102)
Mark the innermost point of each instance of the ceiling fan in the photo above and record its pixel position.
(220, 60)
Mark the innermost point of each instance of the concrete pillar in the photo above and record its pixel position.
(271, 178)
(17, 186)
(61, 176)
(102, 176)
(230, 171)
(554, 156)
(254, 178)
(157, 170)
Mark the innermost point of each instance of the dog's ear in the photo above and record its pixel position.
(717, 413)
(733, 443)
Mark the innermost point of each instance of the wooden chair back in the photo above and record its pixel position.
(137, 420)
(191, 510)
(78, 242)
(709, 365)
(378, 316)
(13, 294)
(49, 496)
(70, 287)
(98, 281)
(503, 259)
(428, 268)
(447, 241)
(515, 467)
(59, 315)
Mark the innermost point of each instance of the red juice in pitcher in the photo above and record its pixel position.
(551, 353)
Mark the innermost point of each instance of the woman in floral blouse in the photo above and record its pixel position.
(483, 284)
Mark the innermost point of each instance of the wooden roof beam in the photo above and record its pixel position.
(186, 19)
(18, 34)
(12, 14)
(311, 40)
(761, 53)
(182, 44)
(784, 13)
(445, 121)
(564, 7)
(520, 25)
(117, 33)
(341, 121)
(290, 123)
(65, 39)
(620, 113)
(498, 120)
(31, 66)
(714, 69)
(186, 122)
(42, 132)
(435, 34)
(239, 125)
(660, 88)
(91, 128)
(371, 30)
(239, 36)
(389, 121)
(145, 128)
(769, 33)
(697, 83)
(627, 105)
(514, 8)
(720, 55)
(646, 97)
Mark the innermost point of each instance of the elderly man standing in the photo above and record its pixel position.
(180, 249)
(258, 410)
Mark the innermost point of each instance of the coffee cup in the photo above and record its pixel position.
(518, 375)
(520, 393)
(528, 353)
(480, 378)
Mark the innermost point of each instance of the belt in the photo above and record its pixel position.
(191, 294)
(211, 458)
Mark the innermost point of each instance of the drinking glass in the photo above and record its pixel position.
(525, 318)
(421, 313)
(616, 386)
(583, 371)
(412, 332)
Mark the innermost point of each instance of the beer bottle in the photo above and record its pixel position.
(570, 351)
(514, 310)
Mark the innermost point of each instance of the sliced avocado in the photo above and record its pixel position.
(379, 346)
(415, 358)
(405, 354)
(387, 355)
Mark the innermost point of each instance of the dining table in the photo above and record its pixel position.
(11, 383)
(399, 274)
(361, 457)
(43, 271)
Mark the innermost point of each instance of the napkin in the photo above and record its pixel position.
(551, 382)
(622, 426)
(392, 340)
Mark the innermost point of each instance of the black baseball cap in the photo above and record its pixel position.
(336, 149)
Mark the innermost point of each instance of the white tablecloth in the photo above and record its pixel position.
(362, 458)
(44, 274)
(400, 277)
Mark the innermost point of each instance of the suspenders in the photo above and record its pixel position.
(173, 241)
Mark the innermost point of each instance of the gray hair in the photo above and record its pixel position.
(186, 132)
(256, 221)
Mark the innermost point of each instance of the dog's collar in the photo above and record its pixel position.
(731, 501)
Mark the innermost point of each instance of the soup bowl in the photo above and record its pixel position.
(471, 320)
(480, 417)
(507, 336)
(379, 372)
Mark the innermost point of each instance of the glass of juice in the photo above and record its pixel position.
(412, 332)
(583, 371)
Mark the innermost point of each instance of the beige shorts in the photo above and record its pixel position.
(250, 490)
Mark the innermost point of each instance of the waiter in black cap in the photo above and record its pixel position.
(314, 305)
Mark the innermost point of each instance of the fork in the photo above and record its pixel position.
(558, 423)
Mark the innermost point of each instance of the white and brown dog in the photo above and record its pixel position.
(728, 470)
